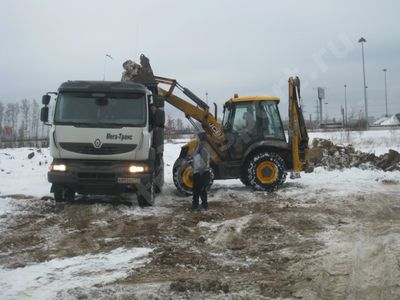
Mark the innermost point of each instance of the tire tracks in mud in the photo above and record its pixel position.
(246, 245)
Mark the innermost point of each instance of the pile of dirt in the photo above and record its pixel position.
(324, 153)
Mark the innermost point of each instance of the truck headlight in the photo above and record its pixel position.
(58, 167)
(138, 168)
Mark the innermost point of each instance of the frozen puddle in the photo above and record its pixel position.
(45, 280)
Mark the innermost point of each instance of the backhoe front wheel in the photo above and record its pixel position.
(266, 171)
(183, 176)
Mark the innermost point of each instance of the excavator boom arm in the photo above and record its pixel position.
(200, 112)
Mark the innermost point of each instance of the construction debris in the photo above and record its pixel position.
(324, 153)
(135, 72)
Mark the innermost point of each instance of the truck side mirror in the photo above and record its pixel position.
(159, 101)
(159, 118)
(44, 114)
(46, 99)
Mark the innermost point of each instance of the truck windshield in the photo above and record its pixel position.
(100, 110)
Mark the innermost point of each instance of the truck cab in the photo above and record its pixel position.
(102, 140)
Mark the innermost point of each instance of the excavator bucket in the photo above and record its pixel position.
(141, 73)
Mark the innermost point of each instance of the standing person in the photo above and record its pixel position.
(201, 173)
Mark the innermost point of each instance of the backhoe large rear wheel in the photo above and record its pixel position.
(244, 178)
(266, 171)
(183, 176)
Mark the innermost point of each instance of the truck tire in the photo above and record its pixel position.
(266, 171)
(183, 176)
(145, 194)
(63, 194)
(159, 178)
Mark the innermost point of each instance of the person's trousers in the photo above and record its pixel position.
(200, 182)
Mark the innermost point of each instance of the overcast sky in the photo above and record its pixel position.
(218, 47)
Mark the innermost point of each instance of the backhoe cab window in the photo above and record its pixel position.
(271, 121)
(257, 118)
(225, 119)
(92, 110)
(245, 117)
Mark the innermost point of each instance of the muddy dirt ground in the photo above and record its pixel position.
(246, 246)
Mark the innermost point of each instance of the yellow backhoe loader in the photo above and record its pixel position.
(249, 144)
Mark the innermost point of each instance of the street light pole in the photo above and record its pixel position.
(321, 95)
(345, 105)
(105, 60)
(384, 73)
(362, 41)
(326, 112)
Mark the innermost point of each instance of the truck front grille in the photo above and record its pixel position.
(96, 177)
(105, 149)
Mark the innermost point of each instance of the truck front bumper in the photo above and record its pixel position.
(100, 177)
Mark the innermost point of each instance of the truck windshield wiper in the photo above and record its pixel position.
(113, 125)
(93, 125)
(81, 124)
(99, 125)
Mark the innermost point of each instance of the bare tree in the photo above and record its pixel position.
(25, 107)
(1, 117)
(9, 114)
(171, 124)
(179, 124)
(15, 118)
(10, 120)
(35, 119)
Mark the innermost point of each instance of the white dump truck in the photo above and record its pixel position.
(106, 139)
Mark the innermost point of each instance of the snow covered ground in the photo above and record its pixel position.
(47, 279)
(329, 234)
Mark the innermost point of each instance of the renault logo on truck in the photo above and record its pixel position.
(97, 143)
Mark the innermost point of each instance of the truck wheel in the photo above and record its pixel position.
(183, 176)
(63, 194)
(266, 171)
(58, 195)
(145, 195)
(159, 179)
